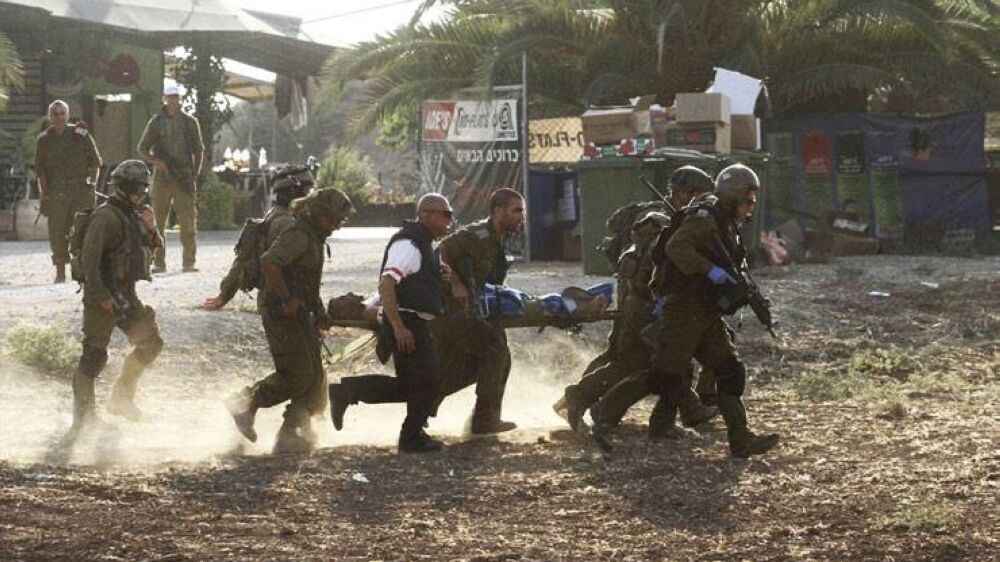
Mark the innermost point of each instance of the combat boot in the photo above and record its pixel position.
(698, 414)
(293, 438)
(601, 431)
(60, 273)
(84, 409)
(243, 408)
(122, 401)
(575, 408)
(486, 420)
(662, 422)
(754, 445)
(340, 398)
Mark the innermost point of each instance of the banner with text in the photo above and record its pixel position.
(468, 149)
(555, 140)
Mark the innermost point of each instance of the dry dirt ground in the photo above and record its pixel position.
(887, 407)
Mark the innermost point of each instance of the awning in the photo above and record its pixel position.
(269, 41)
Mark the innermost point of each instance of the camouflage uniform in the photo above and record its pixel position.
(477, 353)
(277, 219)
(115, 255)
(64, 161)
(180, 137)
(692, 324)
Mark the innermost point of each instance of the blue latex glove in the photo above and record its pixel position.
(719, 276)
(657, 309)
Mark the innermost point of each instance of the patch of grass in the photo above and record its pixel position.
(922, 518)
(895, 409)
(826, 386)
(881, 362)
(48, 348)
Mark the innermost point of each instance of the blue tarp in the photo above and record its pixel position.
(936, 167)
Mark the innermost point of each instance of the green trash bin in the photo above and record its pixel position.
(610, 183)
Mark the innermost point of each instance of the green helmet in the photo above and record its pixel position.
(734, 183)
(293, 178)
(130, 176)
(690, 178)
(328, 201)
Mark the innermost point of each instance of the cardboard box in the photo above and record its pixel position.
(704, 137)
(605, 125)
(745, 132)
(703, 108)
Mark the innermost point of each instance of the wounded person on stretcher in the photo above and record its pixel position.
(499, 302)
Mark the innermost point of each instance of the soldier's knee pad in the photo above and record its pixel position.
(731, 377)
(147, 351)
(92, 361)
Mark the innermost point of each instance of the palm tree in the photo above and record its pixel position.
(815, 54)
(11, 76)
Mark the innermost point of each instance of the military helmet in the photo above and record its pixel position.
(690, 178)
(734, 183)
(328, 201)
(296, 178)
(130, 176)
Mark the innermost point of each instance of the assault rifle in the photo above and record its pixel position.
(660, 195)
(176, 169)
(731, 298)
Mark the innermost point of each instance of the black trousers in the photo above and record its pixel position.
(416, 381)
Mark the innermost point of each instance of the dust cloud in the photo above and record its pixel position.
(185, 421)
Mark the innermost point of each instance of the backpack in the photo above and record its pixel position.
(666, 276)
(251, 244)
(77, 235)
(620, 224)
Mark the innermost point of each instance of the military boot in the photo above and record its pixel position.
(693, 412)
(294, 437)
(663, 420)
(575, 408)
(84, 409)
(413, 438)
(122, 401)
(60, 273)
(243, 408)
(742, 442)
(486, 419)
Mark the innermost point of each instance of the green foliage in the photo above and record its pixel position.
(344, 169)
(11, 73)
(928, 517)
(393, 132)
(881, 362)
(825, 386)
(44, 347)
(204, 77)
(818, 52)
(216, 203)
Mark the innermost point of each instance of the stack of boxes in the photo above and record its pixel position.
(703, 123)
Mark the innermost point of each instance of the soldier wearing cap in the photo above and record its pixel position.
(290, 183)
(172, 143)
(67, 164)
(294, 318)
(118, 243)
(692, 324)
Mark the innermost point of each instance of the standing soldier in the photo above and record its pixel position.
(294, 316)
(68, 165)
(692, 324)
(117, 242)
(290, 183)
(172, 143)
(477, 255)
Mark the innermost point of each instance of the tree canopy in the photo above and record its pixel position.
(815, 55)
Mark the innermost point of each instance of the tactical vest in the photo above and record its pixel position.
(667, 277)
(121, 266)
(422, 291)
(251, 244)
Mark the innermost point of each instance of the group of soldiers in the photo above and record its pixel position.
(669, 270)
(68, 165)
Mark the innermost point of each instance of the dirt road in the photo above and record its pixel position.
(887, 406)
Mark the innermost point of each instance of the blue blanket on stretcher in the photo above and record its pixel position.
(500, 300)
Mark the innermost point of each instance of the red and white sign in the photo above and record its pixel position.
(470, 121)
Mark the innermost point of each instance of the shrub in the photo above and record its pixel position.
(44, 347)
(216, 204)
(344, 169)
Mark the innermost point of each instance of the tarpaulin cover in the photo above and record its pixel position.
(912, 173)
